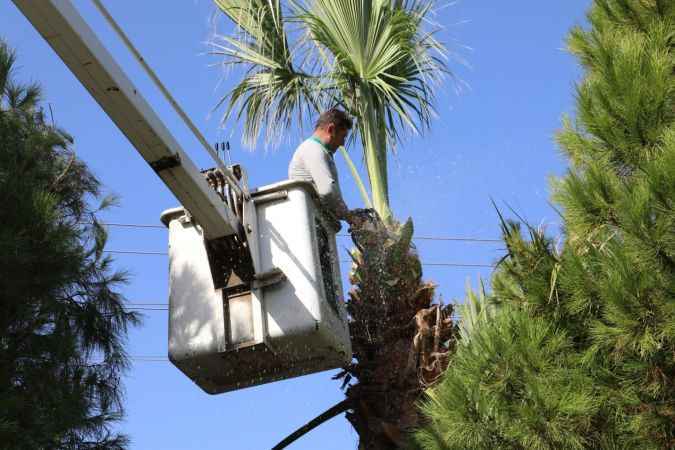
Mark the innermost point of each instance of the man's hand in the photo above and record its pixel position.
(357, 217)
(354, 220)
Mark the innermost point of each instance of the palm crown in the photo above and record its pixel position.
(377, 59)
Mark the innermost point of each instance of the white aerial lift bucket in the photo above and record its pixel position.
(255, 288)
(290, 321)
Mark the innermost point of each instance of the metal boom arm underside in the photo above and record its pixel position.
(74, 41)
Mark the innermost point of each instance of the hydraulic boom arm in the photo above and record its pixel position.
(74, 41)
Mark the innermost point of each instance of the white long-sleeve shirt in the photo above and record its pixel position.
(312, 161)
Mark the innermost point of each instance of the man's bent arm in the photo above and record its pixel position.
(326, 183)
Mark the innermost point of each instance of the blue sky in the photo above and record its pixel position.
(493, 139)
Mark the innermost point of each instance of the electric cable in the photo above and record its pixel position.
(342, 235)
(343, 261)
(135, 252)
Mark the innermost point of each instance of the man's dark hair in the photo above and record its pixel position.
(336, 117)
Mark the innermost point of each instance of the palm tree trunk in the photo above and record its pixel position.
(400, 340)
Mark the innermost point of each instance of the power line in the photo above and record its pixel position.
(132, 225)
(342, 235)
(145, 304)
(149, 358)
(441, 264)
(139, 308)
(165, 307)
(135, 252)
(460, 239)
(344, 261)
(146, 358)
(128, 307)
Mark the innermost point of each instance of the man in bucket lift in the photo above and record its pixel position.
(313, 161)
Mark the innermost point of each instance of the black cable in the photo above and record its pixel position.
(422, 238)
(344, 261)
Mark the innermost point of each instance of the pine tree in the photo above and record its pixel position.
(580, 350)
(62, 323)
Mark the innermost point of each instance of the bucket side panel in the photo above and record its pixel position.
(301, 321)
(196, 313)
(285, 242)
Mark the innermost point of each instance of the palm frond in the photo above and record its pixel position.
(272, 95)
(383, 64)
(384, 47)
(477, 310)
(377, 59)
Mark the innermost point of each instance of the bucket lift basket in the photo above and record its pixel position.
(255, 291)
(233, 330)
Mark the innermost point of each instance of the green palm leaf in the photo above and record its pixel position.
(476, 311)
(378, 59)
(381, 46)
(273, 94)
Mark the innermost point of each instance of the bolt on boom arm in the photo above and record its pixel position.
(76, 44)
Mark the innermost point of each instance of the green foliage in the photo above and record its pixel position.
(62, 324)
(377, 60)
(476, 311)
(387, 268)
(511, 386)
(602, 309)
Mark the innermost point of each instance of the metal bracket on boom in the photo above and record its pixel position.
(166, 162)
(237, 255)
(235, 259)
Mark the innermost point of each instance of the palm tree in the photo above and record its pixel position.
(379, 61)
